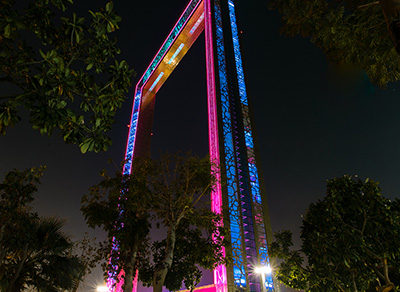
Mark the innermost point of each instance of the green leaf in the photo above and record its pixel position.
(88, 67)
(7, 31)
(109, 6)
(61, 104)
(42, 54)
(98, 122)
(346, 263)
(85, 106)
(85, 145)
(109, 28)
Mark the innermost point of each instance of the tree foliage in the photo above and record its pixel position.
(180, 186)
(120, 206)
(349, 241)
(169, 193)
(34, 252)
(351, 33)
(62, 69)
(198, 243)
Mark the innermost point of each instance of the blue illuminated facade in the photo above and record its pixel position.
(251, 160)
(243, 192)
(235, 216)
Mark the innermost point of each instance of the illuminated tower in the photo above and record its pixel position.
(231, 136)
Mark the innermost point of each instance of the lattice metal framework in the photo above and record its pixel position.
(231, 136)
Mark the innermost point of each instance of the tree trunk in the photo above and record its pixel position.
(389, 285)
(78, 282)
(354, 281)
(161, 271)
(2, 247)
(391, 12)
(130, 266)
(19, 269)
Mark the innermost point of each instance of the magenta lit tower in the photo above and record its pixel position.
(231, 137)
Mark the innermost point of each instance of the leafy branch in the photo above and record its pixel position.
(53, 71)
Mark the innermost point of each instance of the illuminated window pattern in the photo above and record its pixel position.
(156, 81)
(253, 172)
(198, 22)
(233, 194)
(176, 53)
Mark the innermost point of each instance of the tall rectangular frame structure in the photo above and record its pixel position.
(231, 136)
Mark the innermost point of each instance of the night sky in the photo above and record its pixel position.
(311, 124)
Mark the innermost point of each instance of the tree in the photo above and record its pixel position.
(180, 184)
(62, 69)
(196, 246)
(34, 252)
(349, 241)
(351, 33)
(168, 193)
(120, 206)
(88, 252)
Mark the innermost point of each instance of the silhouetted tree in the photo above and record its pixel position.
(168, 192)
(34, 252)
(349, 241)
(361, 34)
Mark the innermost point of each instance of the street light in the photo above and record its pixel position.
(264, 270)
(102, 289)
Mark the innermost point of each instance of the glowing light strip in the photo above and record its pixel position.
(196, 25)
(238, 56)
(175, 54)
(132, 133)
(220, 275)
(156, 81)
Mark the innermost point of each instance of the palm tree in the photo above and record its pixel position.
(44, 262)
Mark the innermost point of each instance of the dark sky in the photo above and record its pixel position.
(311, 126)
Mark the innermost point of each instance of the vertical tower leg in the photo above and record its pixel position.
(239, 171)
(220, 277)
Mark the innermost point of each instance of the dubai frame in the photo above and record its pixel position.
(231, 137)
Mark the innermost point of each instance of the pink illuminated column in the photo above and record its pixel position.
(220, 277)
